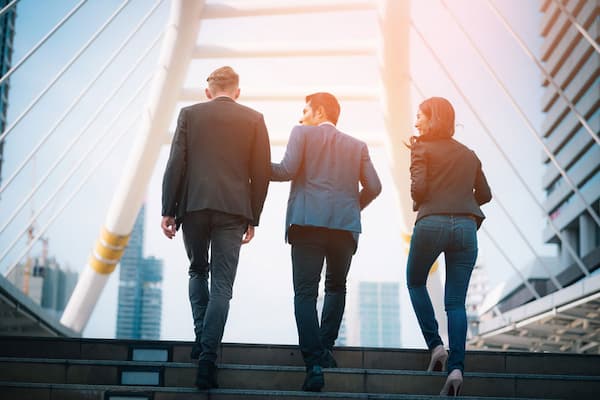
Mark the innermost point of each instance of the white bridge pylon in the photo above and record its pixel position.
(179, 48)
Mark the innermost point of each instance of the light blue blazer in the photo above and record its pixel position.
(332, 176)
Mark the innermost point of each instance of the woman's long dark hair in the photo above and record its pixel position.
(440, 114)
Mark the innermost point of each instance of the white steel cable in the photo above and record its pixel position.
(564, 242)
(547, 75)
(523, 116)
(77, 189)
(41, 42)
(514, 267)
(91, 120)
(512, 221)
(73, 104)
(577, 25)
(63, 70)
(8, 7)
(84, 157)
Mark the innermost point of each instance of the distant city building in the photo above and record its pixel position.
(140, 289)
(7, 34)
(342, 339)
(46, 283)
(379, 314)
(478, 289)
(575, 66)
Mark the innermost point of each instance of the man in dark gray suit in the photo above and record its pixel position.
(323, 223)
(215, 184)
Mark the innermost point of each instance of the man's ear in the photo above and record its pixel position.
(236, 94)
(208, 94)
(321, 114)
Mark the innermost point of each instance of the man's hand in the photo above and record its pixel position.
(168, 226)
(248, 235)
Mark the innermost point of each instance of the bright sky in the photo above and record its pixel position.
(262, 310)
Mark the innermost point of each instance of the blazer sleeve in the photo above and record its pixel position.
(418, 174)
(371, 185)
(260, 169)
(287, 169)
(481, 190)
(174, 176)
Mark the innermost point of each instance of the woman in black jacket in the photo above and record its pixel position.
(447, 187)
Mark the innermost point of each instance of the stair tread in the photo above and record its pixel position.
(288, 368)
(249, 392)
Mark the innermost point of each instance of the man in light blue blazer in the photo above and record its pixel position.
(333, 179)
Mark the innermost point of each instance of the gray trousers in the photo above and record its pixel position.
(221, 233)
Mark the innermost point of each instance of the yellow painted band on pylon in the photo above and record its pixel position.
(101, 267)
(434, 267)
(108, 253)
(406, 237)
(112, 239)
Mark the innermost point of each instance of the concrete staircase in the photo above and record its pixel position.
(67, 368)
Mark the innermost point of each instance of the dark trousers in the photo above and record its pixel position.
(222, 234)
(456, 236)
(310, 247)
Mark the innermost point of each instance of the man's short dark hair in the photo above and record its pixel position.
(330, 105)
(223, 78)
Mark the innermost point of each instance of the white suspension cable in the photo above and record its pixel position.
(523, 116)
(577, 25)
(564, 242)
(551, 274)
(63, 70)
(8, 7)
(547, 75)
(513, 266)
(75, 102)
(73, 170)
(41, 42)
(511, 219)
(91, 120)
(77, 189)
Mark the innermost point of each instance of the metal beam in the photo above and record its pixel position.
(231, 9)
(284, 49)
(287, 94)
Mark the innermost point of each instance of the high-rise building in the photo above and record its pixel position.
(478, 289)
(379, 314)
(574, 65)
(45, 282)
(140, 289)
(7, 34)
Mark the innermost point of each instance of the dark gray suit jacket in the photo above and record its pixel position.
(220, 160)
(447, 178)
(326, 167)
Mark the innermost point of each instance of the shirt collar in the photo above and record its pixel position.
(327, 123)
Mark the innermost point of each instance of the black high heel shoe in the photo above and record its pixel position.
(439, 355)
(453, 384)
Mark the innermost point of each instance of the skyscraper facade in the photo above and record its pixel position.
(379, 314)
(140, 289)
(574, 65)
(7, 34)
(45, 282)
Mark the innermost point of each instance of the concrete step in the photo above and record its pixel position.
(41, 391)
(290, 378)
(286, 355)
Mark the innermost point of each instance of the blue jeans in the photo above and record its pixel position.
(456, 237)
(222, 234)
